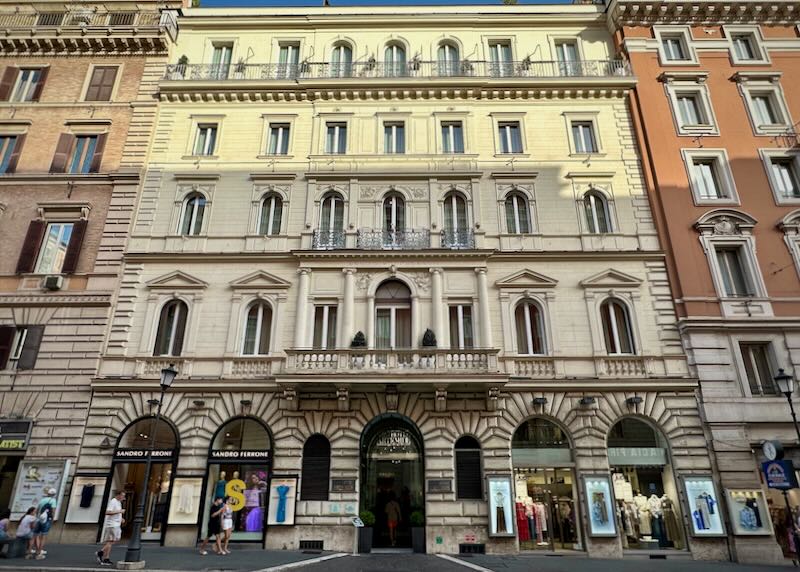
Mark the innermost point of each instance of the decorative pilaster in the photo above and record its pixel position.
(302, 308)
(437, 303)
(483, 305)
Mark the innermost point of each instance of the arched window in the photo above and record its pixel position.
(617, 329)
(395, 60)
(530, 328)
(331, 222)
(394, 212)
(448, 59)
(194, 207)
(456, 233)
(171, 329)
(598, 219)
(257, 330)
(518, 218)
(316, 469)
(469, 482)
(342, 60)
(271, 213)
(139, 433)
(393, 315)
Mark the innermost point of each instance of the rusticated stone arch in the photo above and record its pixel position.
(24, 404)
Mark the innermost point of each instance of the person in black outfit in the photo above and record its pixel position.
(214, 527)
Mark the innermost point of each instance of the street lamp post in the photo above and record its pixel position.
(134, 552)
(785, 383)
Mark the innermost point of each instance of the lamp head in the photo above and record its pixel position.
(168, 375)
(785, 382)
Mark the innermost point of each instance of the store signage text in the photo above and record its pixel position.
(136, 454)
(16, 444)
(637, 456)
(255, 455)
(780, 474)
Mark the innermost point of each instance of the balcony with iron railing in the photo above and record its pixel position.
(80, 19)
(526, 69)
(328, 240)
(363, 360)
(405, 239)
(458, 239)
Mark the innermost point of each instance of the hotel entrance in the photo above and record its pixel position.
(392, 477)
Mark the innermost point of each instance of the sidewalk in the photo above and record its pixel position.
(244, 558)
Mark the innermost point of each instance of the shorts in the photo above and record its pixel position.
(227, 523)
(25, 536)
(392, 523)
(111, 534)
(42, 528)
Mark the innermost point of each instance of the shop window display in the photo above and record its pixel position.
(544, 487)
(644, 487)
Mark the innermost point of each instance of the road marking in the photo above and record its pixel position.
(467, 564)
(301, 563)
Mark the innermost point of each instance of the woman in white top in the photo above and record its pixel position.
(227, 525)
(25, 530)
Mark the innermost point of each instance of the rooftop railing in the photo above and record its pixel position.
(77, 19)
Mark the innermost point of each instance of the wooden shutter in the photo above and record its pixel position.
(59, 164)
(30, 350)
(74, 247)
(6, 339)
(316, 469)
(102, 83)
(30, 248)
(14, 159)
(7, 82)
(468, 475)
(94, 167)
(180, 330)
(37, 91)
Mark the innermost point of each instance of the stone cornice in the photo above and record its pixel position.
(672, 12)
(41, 299)
(126, 177)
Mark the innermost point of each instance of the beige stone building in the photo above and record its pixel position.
(322, 189)
(76, 113)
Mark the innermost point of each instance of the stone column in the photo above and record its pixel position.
(348, 307)
(483, 303)
(301, 315)
(437, 303)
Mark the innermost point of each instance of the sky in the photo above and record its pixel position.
(299, 3)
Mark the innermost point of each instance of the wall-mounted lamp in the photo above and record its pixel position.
(587, 401)
(635, 400)
(246, 403)
(152, 403)
(539, 401)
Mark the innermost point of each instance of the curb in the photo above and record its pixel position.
(301, 563)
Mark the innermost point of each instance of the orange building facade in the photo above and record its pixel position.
(715, 108)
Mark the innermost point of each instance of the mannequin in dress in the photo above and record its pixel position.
(657, 520)
(643, 514)
(219, 491)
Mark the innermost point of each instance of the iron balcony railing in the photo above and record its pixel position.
(77, 18)
(328, 240)
(458, 239)
(406, 239)
(382, 70)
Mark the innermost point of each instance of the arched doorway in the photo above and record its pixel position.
(239, 467)
(392, 467)
(128, 468)
(644, 486)
(544, 487)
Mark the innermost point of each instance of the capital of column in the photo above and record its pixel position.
(349, 271)
(481, 271)
(436, 270)
(304, 271)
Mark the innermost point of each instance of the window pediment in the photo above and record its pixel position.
(526, 279)
(177, 280)
(259, 280)
(611, 279)
(725, 222)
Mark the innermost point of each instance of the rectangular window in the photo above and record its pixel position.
(452, 137)
(756, 358)
(82, 154)
(500, 55)
(690, 110)
(394, 138)
(8, 145)
(764, 109)
(28, 84)
(54, 248)
(784, 172)
(510, 137)
(733, 271)
(336, 140)
(20, 346)
(583, 137)
(288, 60)
(567, 54)
(705, 176)
(278, 138)
(325, 327)
(461, 336)
(674, 47)
(101, 83)
(206, 139)
(743, 46)
(221, 61)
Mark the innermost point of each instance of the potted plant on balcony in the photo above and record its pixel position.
(418, 531)
(365, 532)
(179, 71)
(239, 69)
(359, 341)
(428, 341)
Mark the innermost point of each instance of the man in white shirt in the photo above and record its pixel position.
(112, 528)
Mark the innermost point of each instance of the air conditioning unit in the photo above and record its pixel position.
(54, 282)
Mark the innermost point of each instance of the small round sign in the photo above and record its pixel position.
(773, 450)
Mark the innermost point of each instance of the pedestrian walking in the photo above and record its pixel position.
(393, 515)
(45, 513)
(227, 525)
(112, 528)
(25, 531)
(214, 527)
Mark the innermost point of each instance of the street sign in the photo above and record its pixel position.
(779, 475)
(357, 522)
